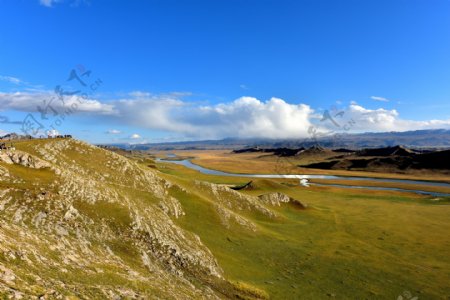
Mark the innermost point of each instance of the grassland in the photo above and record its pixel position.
(263, 163)
(349, 244)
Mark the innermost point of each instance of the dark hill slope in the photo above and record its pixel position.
(388, 159)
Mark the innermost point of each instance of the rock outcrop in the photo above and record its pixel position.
(22, 158)
(276, 199)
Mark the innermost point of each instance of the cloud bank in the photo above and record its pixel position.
(389, 120)
(245, 117)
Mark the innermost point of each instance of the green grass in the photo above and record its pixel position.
(349, 244)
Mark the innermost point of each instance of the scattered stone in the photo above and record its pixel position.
(277, 198)
(24, 159)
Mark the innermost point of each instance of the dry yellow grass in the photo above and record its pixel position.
(263, 163)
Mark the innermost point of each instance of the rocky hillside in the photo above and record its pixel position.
(83, 222)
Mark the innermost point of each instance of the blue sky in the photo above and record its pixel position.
(175, 70)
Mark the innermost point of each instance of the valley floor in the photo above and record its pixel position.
(348, 244)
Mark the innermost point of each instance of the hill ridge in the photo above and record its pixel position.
(74, 219)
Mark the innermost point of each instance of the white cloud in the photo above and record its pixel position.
(135, 136)
(243, 86)
(3, 132)
(113, 131)
(53, 133)
(11, 79)
(245, 117)
(250, 117)
(359, 119)
(151, 112)
(377, 98)
(29, 102)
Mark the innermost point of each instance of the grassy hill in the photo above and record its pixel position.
(95, 224)
(78, 221)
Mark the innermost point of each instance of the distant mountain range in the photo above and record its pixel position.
(388, 159)
(438, 138)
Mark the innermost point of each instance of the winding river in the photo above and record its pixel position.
(304, 178)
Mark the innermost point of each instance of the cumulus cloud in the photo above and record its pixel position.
(249, 117)
(135, 136)
(376, 120)
(382, 120)
(356, 118)
(153, 112)
(245, 117)
(377, 98)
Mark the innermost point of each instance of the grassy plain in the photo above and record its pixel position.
(265, 163)
(349, 244)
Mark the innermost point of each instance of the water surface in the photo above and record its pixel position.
(187, 163)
